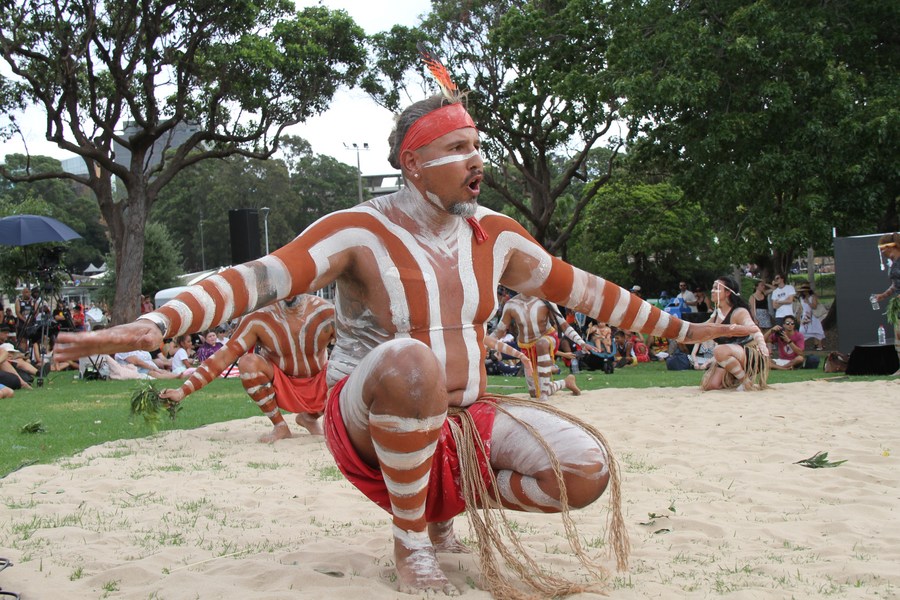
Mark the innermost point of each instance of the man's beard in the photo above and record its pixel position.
(463, 209)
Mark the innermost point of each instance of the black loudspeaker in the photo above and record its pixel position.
(858, 274)
(244, 228)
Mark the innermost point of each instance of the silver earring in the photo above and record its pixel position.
(416, 175)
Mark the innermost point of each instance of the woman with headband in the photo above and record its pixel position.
(738, 362)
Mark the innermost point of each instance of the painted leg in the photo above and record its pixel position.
(525, 478)
(545, 369)
(256, 377)
(394, 406)
(731, 360)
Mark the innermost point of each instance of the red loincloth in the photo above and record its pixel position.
(444, 499)
(300, 395)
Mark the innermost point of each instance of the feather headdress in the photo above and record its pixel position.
(440, 73)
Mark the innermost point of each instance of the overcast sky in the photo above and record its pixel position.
(352, 118)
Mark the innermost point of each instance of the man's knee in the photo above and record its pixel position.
(249, 363)
(405, 369)
(587, 482)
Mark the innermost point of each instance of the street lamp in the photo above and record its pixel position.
(356, 147)
(265, 212)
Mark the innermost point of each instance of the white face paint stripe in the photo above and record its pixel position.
(404, 461)
(397, 424)
(452, 158)
(406, 490)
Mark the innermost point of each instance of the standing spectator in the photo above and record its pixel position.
(889, 245)
(759, 305)
(24, 307)
(78, 317)
(782, 299)
(790, 344)
(810, 325)
(702, 304)
(146, 304)
(688, 299)
(209, 346)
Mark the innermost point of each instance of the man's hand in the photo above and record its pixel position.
(173, 394)
(138, 335)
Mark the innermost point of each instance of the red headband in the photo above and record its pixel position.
(435, 124)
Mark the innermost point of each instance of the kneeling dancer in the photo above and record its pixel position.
(407, 419)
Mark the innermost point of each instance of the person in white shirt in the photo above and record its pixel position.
(688, 299)
(182, 363)
(782, 299)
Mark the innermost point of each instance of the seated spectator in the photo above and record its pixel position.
(701, 356)
(142, 360)
(183, 360)
(639, 347)
(5, 392)
(604, 357)
(624, 350)
(10, 377)
(790, 344)
(209, 346)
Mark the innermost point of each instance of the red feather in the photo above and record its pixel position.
(438, 70)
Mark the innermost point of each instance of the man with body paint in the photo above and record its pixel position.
(288, 370)
(416, 274)
(537, 322)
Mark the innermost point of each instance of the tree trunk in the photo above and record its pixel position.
(129, 268)
(126, 220)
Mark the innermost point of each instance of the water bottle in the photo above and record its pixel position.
(881, 337)
(575, 364)
(874, 300)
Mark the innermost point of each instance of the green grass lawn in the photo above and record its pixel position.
(76, 414)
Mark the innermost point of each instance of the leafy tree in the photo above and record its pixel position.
(540, 95)
(162, 265)
(64, 201)
(777, 116)
(129, 78)
(298, 188)
(647, 234)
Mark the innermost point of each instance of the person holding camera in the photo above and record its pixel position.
(790, 344)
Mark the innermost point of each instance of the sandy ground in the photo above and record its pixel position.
(714, 505)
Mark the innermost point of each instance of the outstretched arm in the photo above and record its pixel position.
(241, 342)
(314, 259)
(504, 348)
(532, 270)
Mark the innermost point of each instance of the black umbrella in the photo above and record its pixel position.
(22, 230)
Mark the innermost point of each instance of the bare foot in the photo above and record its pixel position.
(572, 386)
(444, 540)
(279, 432)
(312, 423)
(419, 571)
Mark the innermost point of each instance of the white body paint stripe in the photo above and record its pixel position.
(404, 460)
(407, 424)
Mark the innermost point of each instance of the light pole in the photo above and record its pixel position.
(265, 212)
(356, 147)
